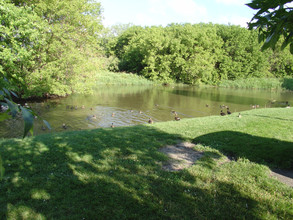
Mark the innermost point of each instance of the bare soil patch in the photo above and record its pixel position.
(284, 176)
(181, 155)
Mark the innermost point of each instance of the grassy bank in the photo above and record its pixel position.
(112, 78)
(116, 173)
(259, 83)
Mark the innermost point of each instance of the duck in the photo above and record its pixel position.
(91, 108)
(228, 111)
(150, 121)
(112, 126)
(207, 105)
(113, 114)
(131, 110)
(176, 117)
(64, 126)
(239, 116)
(94, 117)
(140, 112)
(83, 107)
(222, 113)
(75, 107)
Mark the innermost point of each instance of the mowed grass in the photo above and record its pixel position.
(116, 173)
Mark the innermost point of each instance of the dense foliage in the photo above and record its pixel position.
(198, 53)
(56, 47)
(273, 19)
(48, 47)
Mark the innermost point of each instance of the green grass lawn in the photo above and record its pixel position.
(116, 173)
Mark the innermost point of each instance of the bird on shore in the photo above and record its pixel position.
(112, 126)
(239, 116)
(228, 111)
(176, 117)
(224, 106)
(64, 126)
(94, 117)
(150, 121)
(222, 113)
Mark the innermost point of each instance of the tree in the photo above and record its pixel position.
(67, 59)
(20, 40)
(273, 20)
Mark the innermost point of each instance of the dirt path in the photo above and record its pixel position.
(284, 176)
(183, 155)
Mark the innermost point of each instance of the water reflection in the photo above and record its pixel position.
(133, 105)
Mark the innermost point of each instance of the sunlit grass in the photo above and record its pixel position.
(116, 173)
(259, 83)
(120, 78)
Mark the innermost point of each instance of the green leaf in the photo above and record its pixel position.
(7, 92)
(253, 5)
(12, 106)
(47, 124)
(28, 121)
(13, 93)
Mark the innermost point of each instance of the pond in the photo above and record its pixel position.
(132, 105)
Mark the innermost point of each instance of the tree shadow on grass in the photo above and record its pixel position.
(108, 174)
(268, 151)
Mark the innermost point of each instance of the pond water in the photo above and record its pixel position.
(132, 105)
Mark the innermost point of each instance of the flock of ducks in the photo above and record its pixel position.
(150, 120)
(229, 112)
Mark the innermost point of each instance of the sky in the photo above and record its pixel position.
(164, 12)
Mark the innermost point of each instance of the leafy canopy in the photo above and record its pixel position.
(273, 20)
